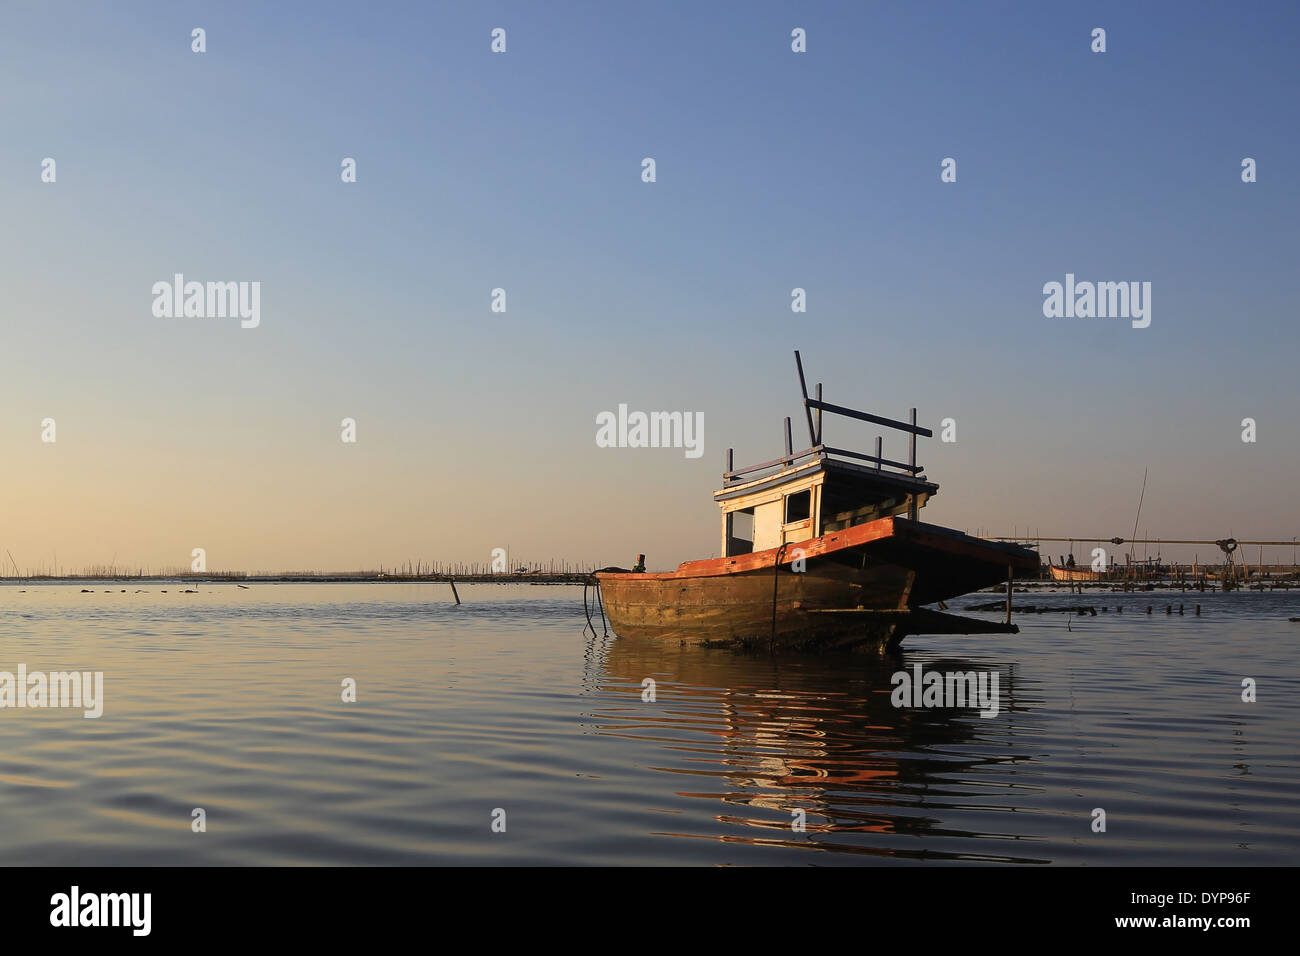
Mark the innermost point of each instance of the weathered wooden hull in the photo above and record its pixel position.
(863, 585)
(1082, 575)
(1078, 574)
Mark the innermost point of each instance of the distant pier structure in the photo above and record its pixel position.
(1230, 570)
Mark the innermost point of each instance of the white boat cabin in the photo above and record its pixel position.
(813, 492)
(809, 496)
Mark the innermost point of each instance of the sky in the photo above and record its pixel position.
(523, 171)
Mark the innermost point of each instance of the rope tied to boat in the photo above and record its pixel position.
(598, 601)
(776, 576)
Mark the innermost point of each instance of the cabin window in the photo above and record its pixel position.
(740, 532)
(798, 506)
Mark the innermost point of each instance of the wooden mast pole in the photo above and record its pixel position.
(913, 510)
(818, 439)
(803, 387)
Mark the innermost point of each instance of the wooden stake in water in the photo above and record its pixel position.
(1010, 574)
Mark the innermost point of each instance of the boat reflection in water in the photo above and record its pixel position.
(764, 736)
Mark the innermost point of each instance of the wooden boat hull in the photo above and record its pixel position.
(1078, 574)
(864, 585)
(1083, 575)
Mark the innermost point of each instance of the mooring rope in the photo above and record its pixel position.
(776, 577)
(586, 611)
(599, 601)
(586, 606)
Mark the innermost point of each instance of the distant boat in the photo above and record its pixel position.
(1240, 574)
(818, 551)
(1139, 570)
(1079, 574)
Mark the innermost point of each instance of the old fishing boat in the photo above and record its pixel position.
(1078, 574)
(1133, 571)
(821, 548)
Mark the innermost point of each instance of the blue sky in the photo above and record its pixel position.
(521, 170)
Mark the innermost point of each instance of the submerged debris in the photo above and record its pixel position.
(1034, 608)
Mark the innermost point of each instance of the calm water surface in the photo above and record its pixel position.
(230, 700)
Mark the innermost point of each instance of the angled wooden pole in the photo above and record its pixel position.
(818, 440)
(803, 387)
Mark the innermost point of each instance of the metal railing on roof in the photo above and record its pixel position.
(818, 449)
